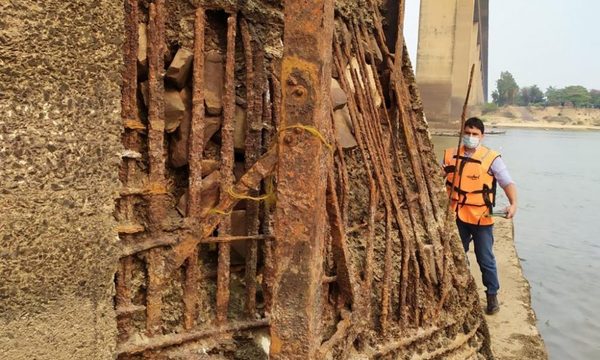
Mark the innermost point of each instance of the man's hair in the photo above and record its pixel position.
(475, 122)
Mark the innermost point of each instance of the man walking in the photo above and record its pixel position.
(471, 178)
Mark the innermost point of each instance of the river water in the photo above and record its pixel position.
(557, 231)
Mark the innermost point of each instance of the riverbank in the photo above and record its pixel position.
(513, 329)
(538, 117)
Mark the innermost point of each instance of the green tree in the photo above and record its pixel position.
(530, 95)
(536, 95)
(595, 98)
(577, 95)
(506, 89)
(555, 97)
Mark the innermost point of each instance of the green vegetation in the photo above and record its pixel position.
(506, 89)
(488, 108)
(508, 93)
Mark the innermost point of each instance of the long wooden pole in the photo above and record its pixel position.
(463, 118)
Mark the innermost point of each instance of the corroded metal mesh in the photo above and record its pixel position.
(259, 191)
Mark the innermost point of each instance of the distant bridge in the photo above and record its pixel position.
(453, 34)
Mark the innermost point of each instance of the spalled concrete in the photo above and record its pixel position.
(60, 136)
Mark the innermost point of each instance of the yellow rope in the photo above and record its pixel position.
(235, 195)
(219, 212)
(313, 131)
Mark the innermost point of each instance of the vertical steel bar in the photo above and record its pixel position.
(252, 149)
(191, 296)
(226, 170)
(156, 208)
(300, 213)
(130, 138)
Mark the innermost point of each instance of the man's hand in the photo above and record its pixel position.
(510, 211)
(511, 193)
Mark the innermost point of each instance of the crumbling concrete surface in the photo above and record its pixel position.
(60, 80)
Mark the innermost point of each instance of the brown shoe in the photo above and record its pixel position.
(492, 304)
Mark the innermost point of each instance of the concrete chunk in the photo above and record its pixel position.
(209, 195)
(179, 69)
(337, 95)
(174, 110)
(142, 55)
(214, 78)
(343, 128)
(144, 91)
(239, 128)
(179, 144)
(353, 67)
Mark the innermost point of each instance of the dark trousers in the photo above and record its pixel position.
(483, 240)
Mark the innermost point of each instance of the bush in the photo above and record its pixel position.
(488, 108)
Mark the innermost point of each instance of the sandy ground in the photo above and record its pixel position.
(513, 329)
(551, 117)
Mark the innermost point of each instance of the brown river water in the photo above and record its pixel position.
(557, 231)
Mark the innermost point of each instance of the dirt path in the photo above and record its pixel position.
(514, 333)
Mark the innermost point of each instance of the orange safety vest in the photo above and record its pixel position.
(474, 192)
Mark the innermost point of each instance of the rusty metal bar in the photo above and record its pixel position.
(227, 162)
(155, 268)
(156, 206)
(171, 240)
(164, 341)
(123, 296)
(251, 180)
(252, 150)
(191, 287)
(271, 102)
(130, 140)
(346, 275)
(300, 212)
(373, 193)
(128, 310)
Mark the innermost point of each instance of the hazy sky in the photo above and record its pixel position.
(543, 42)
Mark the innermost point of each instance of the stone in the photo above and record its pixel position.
(377, 54)
(179, 142)
(343, 128)
(209, 195)
(239, 169)
(179, 69)
(174, 110)
(144, 91)
(370, 78)
(239, 128)
(239, 227)
(337, 95)
(214, 78)
(208, 166)
(353, 67)
(373, 87)
(142, 55)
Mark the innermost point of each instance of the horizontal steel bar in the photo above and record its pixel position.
(163, 341)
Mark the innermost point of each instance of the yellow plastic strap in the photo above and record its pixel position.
(235, 195)
(220, 212)
(313, 131)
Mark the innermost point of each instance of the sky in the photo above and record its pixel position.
(540, 42)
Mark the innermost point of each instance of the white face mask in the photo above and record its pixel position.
(470, 142)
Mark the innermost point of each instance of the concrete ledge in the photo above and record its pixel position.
(513, 329)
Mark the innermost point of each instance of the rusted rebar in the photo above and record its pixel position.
(252, 152)
(139, 346)
(191, 288)
(373, 188)
(227, 163)
(300, 211)
(128, 165)
(156, 208)
(414, 211)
